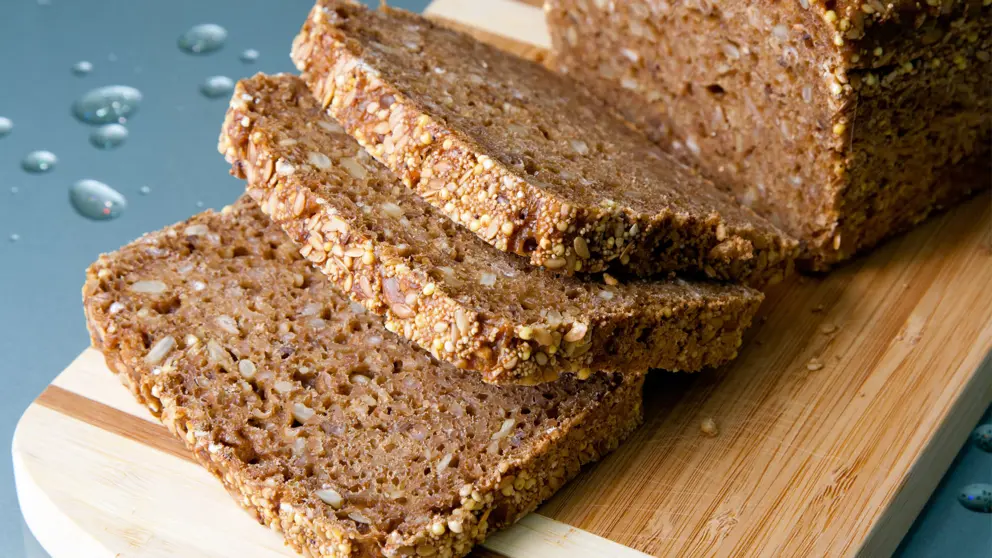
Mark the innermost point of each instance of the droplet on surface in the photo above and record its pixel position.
(6, 125)
(203, 38)
(108, 136)
(249, 55)
(95, 200)
(145, 190)
(39, 161)
(113, 103)
(14, 189)
(14, 237)
(216, 87)
(199, 204)
(82, 68)
(977, 497)
(112, 57)
(982, 437)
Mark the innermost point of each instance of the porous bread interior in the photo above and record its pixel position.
(306, 407)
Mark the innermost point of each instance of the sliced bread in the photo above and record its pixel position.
(320, 422)
(441, 286)
(525, 157)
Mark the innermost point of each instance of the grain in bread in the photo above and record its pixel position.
(441, 286)
(544, 163)
(843, 122)
(321, 423)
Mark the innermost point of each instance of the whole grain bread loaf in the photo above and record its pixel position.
(320, 422)
(441, 286)
(522, 156)
(843, 122)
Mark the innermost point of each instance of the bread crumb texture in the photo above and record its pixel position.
(323, 424)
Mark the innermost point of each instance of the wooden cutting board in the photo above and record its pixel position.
(846, 406)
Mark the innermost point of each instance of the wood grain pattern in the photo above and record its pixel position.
(814, 462)
(109, 419)
(844, 409)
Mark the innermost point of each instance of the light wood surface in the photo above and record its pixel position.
(823, 461)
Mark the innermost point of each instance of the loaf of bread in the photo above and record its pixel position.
(841, 121)
(522, 156)
(321, 423)
(441, 286)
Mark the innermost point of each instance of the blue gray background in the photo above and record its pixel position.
(172, 150)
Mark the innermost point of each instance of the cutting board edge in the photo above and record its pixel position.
(919, 484)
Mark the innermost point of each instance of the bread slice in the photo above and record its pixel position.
(320, 422)
(523, 156)
(438, 284)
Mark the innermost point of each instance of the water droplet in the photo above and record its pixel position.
(95, 200)
(217, 86)
(982, 436)
(145, 190)
(113, 103)
(108, 136)
(15, 237)
(82, 68)
(39, 161)
(14, 189)
(199, 204)
(112, 57)
(249, 55)
(977, 497)
(203, 39)
(6, 125)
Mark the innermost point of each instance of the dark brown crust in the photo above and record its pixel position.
(842, 125)
(336, 214)
(511, 486)
(642, 212)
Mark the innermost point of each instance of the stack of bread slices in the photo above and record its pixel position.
(437, 300)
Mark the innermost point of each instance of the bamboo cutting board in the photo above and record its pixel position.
(836, 422)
